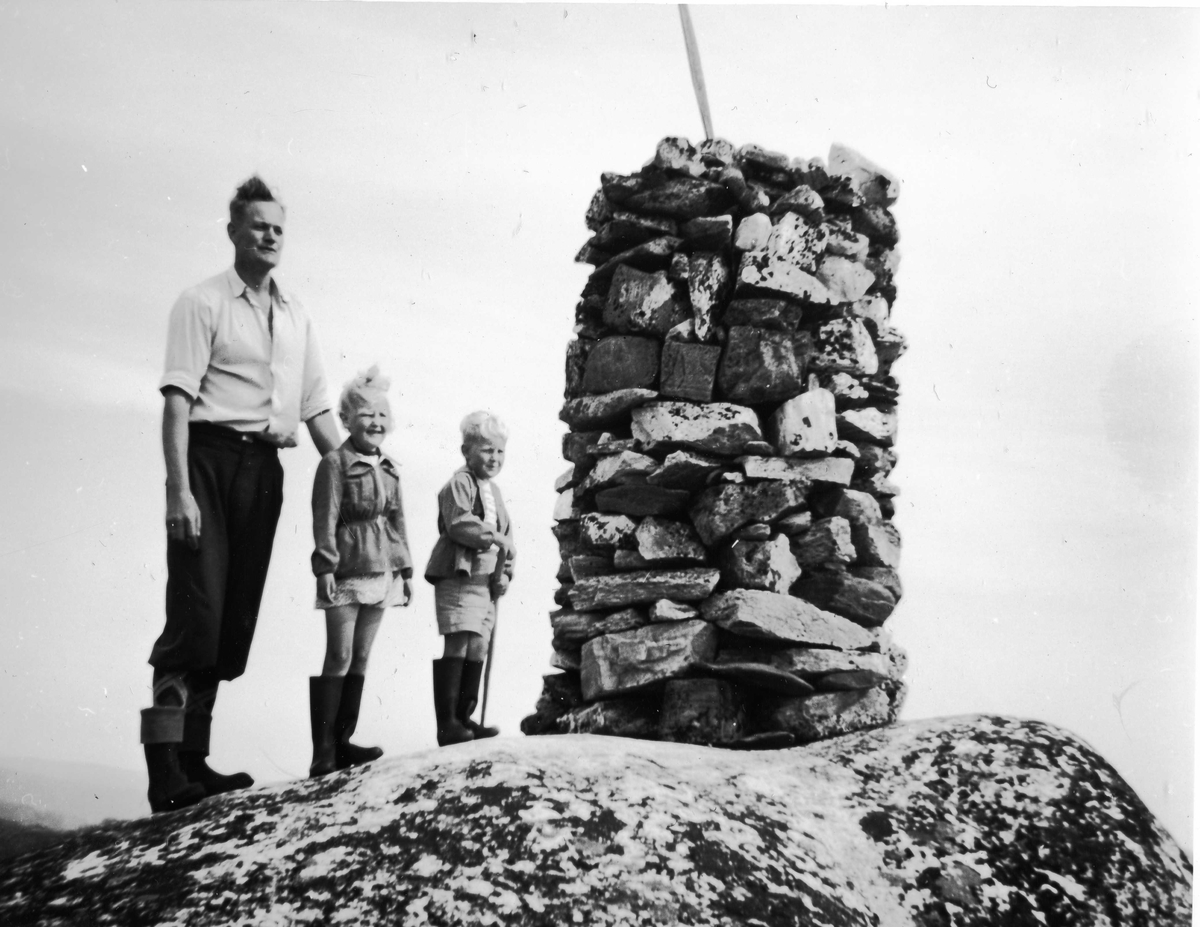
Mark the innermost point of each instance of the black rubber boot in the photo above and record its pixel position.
(349, 754)
(324, 695)
(468, 698)
(447, 678)
(170, 790)
(195, 766)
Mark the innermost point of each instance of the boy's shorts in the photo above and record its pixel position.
(464, 603)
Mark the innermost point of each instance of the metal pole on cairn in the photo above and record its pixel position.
(693, 53)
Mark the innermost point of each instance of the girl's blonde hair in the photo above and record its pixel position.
(367, 386)
(482, 426)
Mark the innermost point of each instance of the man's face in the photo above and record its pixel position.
(258, 238)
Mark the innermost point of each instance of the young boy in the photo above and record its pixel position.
(470, 569)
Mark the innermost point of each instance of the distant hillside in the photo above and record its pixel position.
(56, 795)
(16, 839)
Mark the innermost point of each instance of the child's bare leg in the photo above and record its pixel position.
(477, 647)
(365, 629)
(340, 624)
(457, 644)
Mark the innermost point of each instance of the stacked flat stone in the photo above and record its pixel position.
(728, 554)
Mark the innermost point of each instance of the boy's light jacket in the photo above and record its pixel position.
(358, 517)
(461, 529)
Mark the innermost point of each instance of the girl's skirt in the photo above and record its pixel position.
(382, 590)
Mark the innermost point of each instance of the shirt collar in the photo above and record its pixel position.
(237, 287)
(350, 457)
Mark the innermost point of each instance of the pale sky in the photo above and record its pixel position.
(437, 160)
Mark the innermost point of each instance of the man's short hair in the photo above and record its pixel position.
(254, 190)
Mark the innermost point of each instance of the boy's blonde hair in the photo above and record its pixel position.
(482, 426)
(367, 386)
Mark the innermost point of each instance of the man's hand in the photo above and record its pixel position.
(407, 593)
(498, 585)
(326, 586)
(183, 518)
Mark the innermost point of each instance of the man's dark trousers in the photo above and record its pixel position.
(213, 593)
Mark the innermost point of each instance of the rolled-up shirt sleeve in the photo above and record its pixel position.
(189, 345)
(314, 396)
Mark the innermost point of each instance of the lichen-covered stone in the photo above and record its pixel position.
(873, 184)
(606, 409)
(574, 629)
(989, 820)
(806, 424)
(762, 270)
(826, 714)
(614, 469)
(845, 344)
(778, 314)
(829, 540)
(794, 524)
(625, 662)
(641, 302)
(685, 470)
(661, 540)
(816, 664)
(621, 589)
(640, 498)
(870, 424)
(767, 565)
(607, 531)
(861, 600)
(826, 471)
(666, 610)
(802, 200)
(708, 287)
(846, 280)
(714, 428)
(753, 232)
(621, 362)
(689, 370)
(775, 617)
(759, 365)
(722, 509)
(708, 233)
(681, 198)
(583, 565)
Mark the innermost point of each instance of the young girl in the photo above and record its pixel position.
(362, 566)
(470, 568)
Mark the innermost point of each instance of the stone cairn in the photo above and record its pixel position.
(728, 555)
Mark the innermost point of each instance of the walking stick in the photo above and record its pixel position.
(501, 562)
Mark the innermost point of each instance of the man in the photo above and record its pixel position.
(242, 371)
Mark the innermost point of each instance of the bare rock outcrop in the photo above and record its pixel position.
(972, 821)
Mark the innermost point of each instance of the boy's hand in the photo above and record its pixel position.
(499, 585)
(407, 594)
(326, 585)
